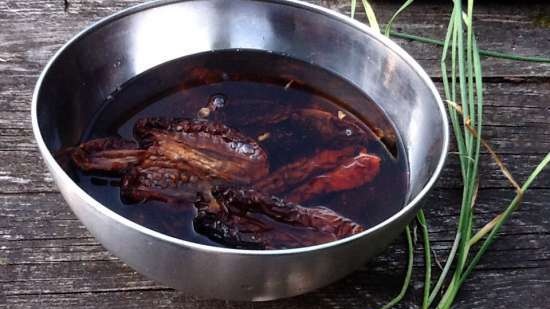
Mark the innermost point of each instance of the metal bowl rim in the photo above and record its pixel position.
(56, 168)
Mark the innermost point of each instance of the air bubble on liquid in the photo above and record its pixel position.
(225, 76)
(245, 148)
(217, 101)
(348, 132)
(117, 64)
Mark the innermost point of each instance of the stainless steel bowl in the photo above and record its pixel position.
(99, 59)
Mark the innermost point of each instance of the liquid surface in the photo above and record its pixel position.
(251, 87)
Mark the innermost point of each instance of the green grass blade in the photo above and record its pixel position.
(445, 271)
(427, 259)
(466, 149)
(478, 79)
(462, 74)
(450, 90)
(475, 103)
(464, 67)
(463, 88)
(505, 216)
(476, 108)
(353, 6)
(469, 61)
(399, 11)
(469, 167)
(373, 22)
(486, 53)
(450, 94)
(408, 275)
(455, 285)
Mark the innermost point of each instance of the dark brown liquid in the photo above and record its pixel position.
(251, 84)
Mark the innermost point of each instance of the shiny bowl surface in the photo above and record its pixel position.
(94, 63)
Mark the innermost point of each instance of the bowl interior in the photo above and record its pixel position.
(106, 56)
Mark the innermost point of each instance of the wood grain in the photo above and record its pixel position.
(49, 260)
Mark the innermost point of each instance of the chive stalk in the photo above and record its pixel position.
(408, 274)
(463, 89)
(482, 52)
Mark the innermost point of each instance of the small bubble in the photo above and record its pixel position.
(348, 132)
(246, 149)
(217, 101)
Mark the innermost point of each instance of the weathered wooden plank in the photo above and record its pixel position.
(48, 259)
(517, 120)
(506, 138)
(531, 291)
(521, 288)
(21, 211)
(500, 95)
(24, 172)
(24, 215)
(25, 48)
(430, 20)
(16, 94)
(70, 262)
(490, 175)
(363, 289)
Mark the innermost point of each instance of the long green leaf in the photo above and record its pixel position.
(408, 275)
(373, 22)
(454, 286)
(463, 89)
(451, 41)
(483, 52)
(505, 216)
(399, 11)
(427, 259)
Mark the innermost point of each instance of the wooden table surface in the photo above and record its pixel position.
(48, 259)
